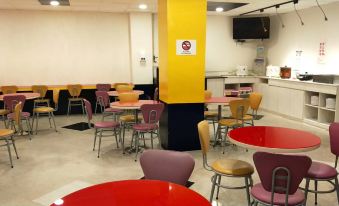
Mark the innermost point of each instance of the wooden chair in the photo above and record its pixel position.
(75, 90)
(9, 89)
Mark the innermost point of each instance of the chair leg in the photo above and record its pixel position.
(100, 136)
(337, 187)
(218, 186)
(96, 107)
(13, 143)
(123, 138)
(316, 190)
(9, 151)
(116, 137)
(49, 120)
(52, 115)
(28, 124)
(224, 141)
(152, 140)
(82, 106)
(217, 135)
(136, 145)
(69, 107)
(143, 138)
(37, 122)
(213, 186)
(307, 185)
(95, 138)
(248, 191)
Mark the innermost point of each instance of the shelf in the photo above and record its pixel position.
(310, 105)
(327, 109)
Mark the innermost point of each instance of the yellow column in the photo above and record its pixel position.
(181, 77)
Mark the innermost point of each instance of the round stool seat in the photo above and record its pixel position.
(232, 167)
(320, 170)
(6, 132)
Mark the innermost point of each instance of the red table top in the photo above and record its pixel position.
(220, 100)
(134, 192)
(28, 95)
(274, 139)
(131, 105)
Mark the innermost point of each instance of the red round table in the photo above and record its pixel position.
(28, 95)
(274, 139)
(134, 192)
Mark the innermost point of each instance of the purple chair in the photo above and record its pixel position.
(100, 126)
(151, 114)
(323, 172)
(104, 104)
(170, 166)
(10, 102)
(280, 176)
(103, 87)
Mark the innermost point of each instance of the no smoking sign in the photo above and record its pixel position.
(186, 47)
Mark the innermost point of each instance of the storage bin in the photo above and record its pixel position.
(330, 103)
(314, 100)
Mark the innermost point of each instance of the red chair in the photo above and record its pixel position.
(151, 114)
(280, 176)
(170, 166)
(10, 102)
(103, 87)
(100, 126)
(104, 104)
(323, 172)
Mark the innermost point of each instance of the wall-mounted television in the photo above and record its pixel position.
(251, 28)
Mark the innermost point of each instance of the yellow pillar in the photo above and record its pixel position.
(181, 77)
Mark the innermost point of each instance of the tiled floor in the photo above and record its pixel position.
(53, 161)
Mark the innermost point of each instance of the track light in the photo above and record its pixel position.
(322, 10)
(280, 19)
(296, 11)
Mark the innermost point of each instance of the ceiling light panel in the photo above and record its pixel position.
(226, 6)
(62, 2)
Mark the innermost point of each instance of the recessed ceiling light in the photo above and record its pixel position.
(142, 6)
(219, 9)
(54, 3)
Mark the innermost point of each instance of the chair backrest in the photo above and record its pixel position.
(103, 98)
(208, 94)
(278, 171)
(171, 166)
(41, 89)
(9, 89)
(124, 88)
(152, 112)
(17, 113)
(128, 97)
(255, 100)
(204, 136)
(103, 87)
(74, 89)
(88, 108)
(10, 101)
(334, 138)
(239, 108)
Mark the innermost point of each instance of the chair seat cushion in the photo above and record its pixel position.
(229, 122)
(106, 124)
(248, 117)
(23, 115)
(232, 167)
(4, 111)
(259, 193)
(111, 110)
(210, 114)
(6, 132)
(43, 110)
(145, 127)
(320, 170)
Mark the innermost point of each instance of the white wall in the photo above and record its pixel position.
(141, 46)
(44, 47)
(222, 53)
(285, 42)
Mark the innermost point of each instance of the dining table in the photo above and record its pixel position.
(134, 192)
(115, 93)
(274, 139)
(28, 95)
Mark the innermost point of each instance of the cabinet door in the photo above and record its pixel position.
(216, 86)
(263, 89)
(290, 102)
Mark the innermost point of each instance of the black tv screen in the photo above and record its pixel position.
(251, 28)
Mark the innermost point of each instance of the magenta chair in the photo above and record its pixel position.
(104, 104)
(170, 166)
(100, 126)
(10, 102)
(323, 172)
(151, 114)
(280, 176)
(103, 87)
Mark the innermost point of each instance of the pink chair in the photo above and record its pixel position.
(104, 104)
(103, 87)
(170, 166)
(10, 102)
(151, 114)
(280, 176)
(323, 172)
(100, 126)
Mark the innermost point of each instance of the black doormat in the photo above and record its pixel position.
(80, 126)
(188, 183)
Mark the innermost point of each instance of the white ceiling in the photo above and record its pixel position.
(132, 5)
